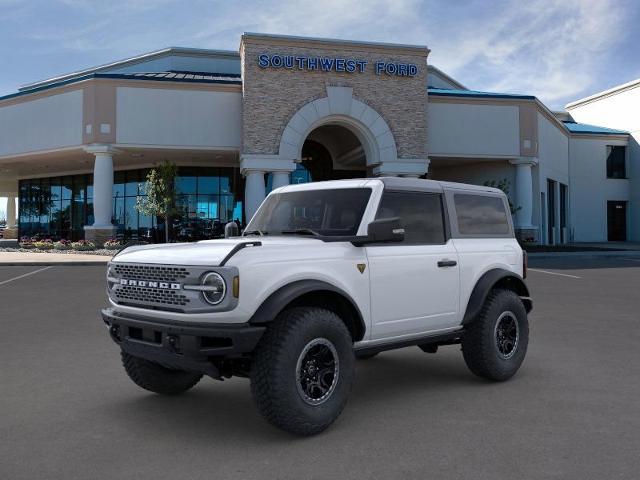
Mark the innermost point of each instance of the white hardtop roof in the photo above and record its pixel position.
(390, 182)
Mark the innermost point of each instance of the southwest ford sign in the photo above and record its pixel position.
(335, 64)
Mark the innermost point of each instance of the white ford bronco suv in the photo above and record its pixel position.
(323, 274)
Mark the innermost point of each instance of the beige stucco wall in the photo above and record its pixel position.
(272, 96)
(50, 122)
(178, 117)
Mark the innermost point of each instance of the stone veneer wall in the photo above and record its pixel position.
(271, 96)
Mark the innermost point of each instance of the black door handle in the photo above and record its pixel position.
(447, 263)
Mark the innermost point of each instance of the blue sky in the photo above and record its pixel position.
(557, 50)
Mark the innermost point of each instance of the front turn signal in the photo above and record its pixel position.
(236, 287)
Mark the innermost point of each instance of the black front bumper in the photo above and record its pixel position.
(191, 347)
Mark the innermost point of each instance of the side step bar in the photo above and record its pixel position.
(449, 338)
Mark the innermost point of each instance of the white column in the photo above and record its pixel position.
(524, 192)
(253, 167)
(280, 179)
(11, 211)
(103, 189)
(254, 192)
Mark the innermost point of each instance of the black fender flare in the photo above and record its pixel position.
(286, 294)
(491, 279)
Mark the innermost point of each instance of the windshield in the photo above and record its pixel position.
(334, 212)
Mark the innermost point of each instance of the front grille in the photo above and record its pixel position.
(162, 287)
(133, 295)
(146, 296)
(151, 272)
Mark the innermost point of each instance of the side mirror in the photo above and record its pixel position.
(231, 230)
(383, 230)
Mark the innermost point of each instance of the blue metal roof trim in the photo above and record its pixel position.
(575, 127)
(228, 79)
(443, 92)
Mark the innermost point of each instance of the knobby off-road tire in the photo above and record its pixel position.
(298, 343)
(156, 378)
(495, 343)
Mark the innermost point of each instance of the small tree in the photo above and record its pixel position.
(160, 193)
(503, 185)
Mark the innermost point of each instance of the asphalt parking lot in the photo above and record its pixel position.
(573, 411)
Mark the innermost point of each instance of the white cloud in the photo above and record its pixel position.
(548, 48)
(554, 49)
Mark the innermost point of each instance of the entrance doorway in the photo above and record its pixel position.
(333, 152)
(617, 221)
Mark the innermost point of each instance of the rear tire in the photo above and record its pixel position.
(156, 378)
(302, 370)
(495, 343)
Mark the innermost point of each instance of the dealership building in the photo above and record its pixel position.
(75, 149)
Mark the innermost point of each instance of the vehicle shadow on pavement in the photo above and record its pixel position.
(218, 411)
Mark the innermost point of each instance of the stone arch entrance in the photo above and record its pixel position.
(338, 114)
(339, 109)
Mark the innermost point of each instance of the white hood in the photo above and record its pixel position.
(207, 252)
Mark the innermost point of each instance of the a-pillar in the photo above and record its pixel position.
(254, 167)
(102, 228)
(525, 230)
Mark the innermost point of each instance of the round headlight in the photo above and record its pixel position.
(214, 288)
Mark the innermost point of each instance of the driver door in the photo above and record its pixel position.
(415, 283)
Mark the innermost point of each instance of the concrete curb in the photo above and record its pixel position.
(597, 254)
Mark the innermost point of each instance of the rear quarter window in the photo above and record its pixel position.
(481, 215)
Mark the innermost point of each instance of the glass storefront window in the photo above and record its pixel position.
(60, 207)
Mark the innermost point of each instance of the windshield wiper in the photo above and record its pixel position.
(301, 231)
(255, 232)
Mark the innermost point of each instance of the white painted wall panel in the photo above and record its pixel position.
(42, 124)
(590, 189)
(461, 129)
(620, 111)
(190, 118)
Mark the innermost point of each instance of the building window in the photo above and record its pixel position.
(616, 161)
(60, 207)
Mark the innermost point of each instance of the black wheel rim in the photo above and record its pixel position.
(507, 335)
(317, 371)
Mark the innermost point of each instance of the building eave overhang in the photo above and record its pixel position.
(117, 76)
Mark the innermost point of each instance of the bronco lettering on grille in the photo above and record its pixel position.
(150, 284)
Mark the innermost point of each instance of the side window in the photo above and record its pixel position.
(420, 214)
(481, 215)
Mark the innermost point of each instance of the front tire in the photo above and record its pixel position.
(156, 378)
(495, 343)
(303, 370)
